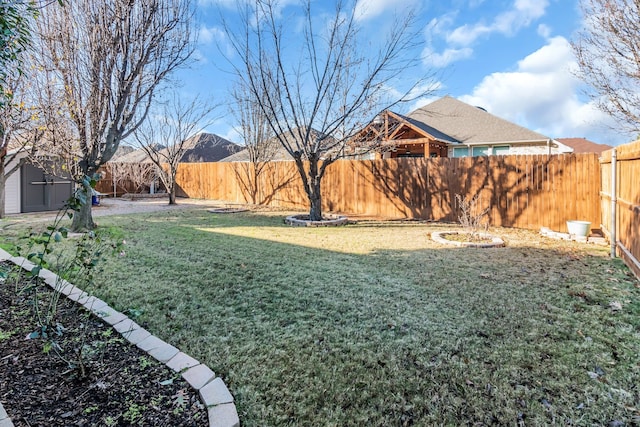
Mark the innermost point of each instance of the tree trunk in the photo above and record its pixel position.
(172, 194)
(313, 190)
(171, 188)
(254, 185)
(82, 219)
(315, 200)
(3, 180)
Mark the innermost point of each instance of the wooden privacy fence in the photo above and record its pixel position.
(526, 191)
(620, 186)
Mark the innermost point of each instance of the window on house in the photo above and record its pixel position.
(501, 150)
(480, 150)
(460, 152)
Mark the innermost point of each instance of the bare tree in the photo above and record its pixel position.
(173, 128)
(117, 173)
(317, 98)
(17, 131)
(15, 38)
(608, 53)
(260, 146)
(104, 61)
(138, 174)
(17, 128)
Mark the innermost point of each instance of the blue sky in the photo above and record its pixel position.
(512, 57)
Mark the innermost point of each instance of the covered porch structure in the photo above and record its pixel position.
(402, 136)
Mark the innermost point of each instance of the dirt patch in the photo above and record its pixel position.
(122, 385)
(466, 239)
(227, 210)
(327, 221)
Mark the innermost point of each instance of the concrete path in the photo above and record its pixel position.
(117, 206)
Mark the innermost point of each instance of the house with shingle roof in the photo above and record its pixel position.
(199, 148)
(272, 149)
(449, 127)
(583, 145)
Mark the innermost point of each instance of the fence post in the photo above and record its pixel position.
(614, 201)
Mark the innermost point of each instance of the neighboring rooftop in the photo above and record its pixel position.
(203, 147)
(122, 150)
(273, 149)
(457, 121)
(583, 145)
(208, 147)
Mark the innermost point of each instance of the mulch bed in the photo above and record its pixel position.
(121, 386)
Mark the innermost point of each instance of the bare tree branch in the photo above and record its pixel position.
(169, 133)
(104, 62)
(319, 90)
(608, 54)
(259, 144)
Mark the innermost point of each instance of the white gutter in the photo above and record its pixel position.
(532, 141)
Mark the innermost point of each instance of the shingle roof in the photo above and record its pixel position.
(583, 145)
(207, 147)
(243, 156)
(279, 152)
(464, 123)
(203, 147)
(137, 156)
(429, 129)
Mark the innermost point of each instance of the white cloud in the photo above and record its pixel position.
(441, 60)
(369, 9)
(555, 56)
(199, 57)
(520, 15)
(467, 34)
(544, 31)
(461, 39)
(208, 35)
(542, 95)
(441, 25)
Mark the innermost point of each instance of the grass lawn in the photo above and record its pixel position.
(375, 324)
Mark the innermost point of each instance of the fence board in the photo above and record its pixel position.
(628, 201)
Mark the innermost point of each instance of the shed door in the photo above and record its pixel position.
(42, 191)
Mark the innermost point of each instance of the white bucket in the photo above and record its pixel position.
(579, 228)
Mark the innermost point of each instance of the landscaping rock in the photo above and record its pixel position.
(215, 393)
(164, 352)
(198, 376)
(136, 335)
(182, 361)
(150, 343)
(110, 315)
(224, 415)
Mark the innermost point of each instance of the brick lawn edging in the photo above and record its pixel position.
(212, 390)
